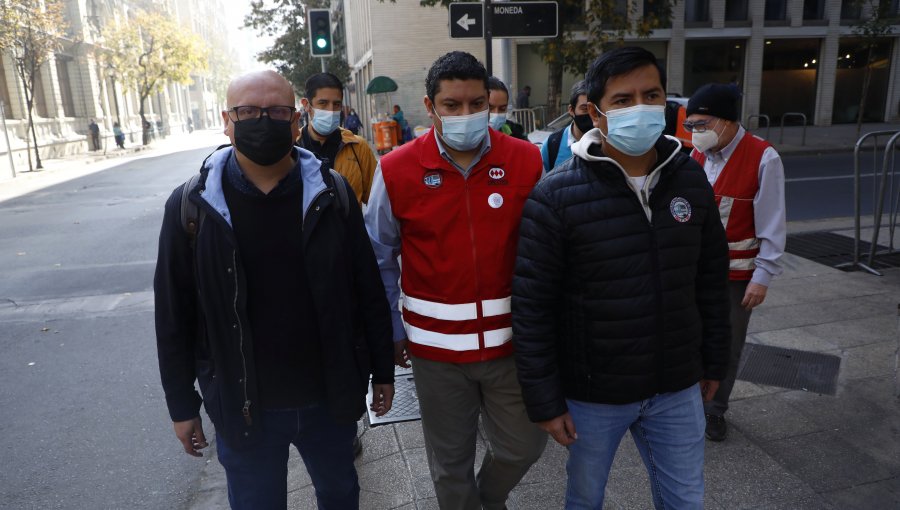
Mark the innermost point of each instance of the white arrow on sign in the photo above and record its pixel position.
(465, 22)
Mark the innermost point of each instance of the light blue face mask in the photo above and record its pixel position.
(634, 130)
(325, 121)
(497, 120)
(464, 132)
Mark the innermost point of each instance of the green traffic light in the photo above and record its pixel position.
(321, 42)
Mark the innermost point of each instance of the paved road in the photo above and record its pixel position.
(821, 186)
(83, 421)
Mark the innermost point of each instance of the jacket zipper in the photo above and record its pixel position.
(478, 309)
(246, 409)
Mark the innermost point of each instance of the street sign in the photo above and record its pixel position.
(508, 20)
(466, 21)
(524, 19)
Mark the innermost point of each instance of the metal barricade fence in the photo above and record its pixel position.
(802, 116)
(761, 116)
(857, 198)
(523, 116)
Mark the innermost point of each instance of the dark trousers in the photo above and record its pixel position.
(740, 318)
(257, 477)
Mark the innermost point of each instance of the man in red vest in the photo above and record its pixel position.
(449, 204)
(748, 181)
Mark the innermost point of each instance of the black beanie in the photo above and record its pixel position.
(716, 99)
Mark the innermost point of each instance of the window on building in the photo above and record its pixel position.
(572, 14)
(813, 9)
(619, 12)
(851, 9)
(736, 10)
(850, 74)
(39, 99)
(776, 10)
(696, 11)
(4, 92)
(889, 8)
(656, 9)
(65, 85)
(790, 71)
(712, 61)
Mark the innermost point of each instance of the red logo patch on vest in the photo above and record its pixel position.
(433, 179)
(497, 173)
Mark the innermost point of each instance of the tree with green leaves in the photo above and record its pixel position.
(872, 30)
(286, 21)
(31, 31)
(149, 51)
(587, 28)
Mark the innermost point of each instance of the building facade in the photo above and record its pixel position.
(789, 57)
(73, 87)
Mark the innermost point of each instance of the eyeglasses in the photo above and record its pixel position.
(242, 113)
(696, 127)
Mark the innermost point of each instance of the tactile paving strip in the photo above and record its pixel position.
(406, 403)
(790, 368)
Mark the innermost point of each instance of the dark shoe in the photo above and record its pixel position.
(716, 428)
(357, 447)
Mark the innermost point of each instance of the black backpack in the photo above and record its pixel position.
(192, 216)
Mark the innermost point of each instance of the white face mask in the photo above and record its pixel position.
(706, 140)
(497, 120)
(464, 132)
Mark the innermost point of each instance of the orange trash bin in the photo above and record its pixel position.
(385, 133)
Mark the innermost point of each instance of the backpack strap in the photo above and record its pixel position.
(191, 215)
(330, 176)
(553, 143)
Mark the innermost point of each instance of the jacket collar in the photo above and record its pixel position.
(430, 154)
(211, 190)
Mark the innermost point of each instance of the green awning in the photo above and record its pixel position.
(381, 85)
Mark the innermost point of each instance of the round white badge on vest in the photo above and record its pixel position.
(495, 200)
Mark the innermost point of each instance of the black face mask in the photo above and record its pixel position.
(584, 123)
(263, 141)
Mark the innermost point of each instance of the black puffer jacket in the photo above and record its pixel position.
(202, 326)
(608, 306)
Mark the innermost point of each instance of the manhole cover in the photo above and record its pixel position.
(406, 403)
(789, 368)
(833, 249)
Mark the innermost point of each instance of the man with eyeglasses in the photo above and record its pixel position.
(449, 204)
(274, 306)
(747, 176)
(348, 153)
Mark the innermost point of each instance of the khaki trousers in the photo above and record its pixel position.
(451, 396)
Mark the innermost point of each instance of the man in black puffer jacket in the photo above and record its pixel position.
(620, 296)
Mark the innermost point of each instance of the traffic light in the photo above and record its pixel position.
(320, 33)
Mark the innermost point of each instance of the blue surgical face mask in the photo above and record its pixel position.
(634, 130)
(325, 121)
(464, 132)
(498, 120)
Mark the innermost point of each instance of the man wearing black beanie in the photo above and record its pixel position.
(747, 176)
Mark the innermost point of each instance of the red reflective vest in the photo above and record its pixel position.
(458, 245)
(735, 189)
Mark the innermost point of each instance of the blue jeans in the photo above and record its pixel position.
(668, 432)
(257, 477)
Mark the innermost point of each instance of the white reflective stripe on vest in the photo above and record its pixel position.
(466, 342)
(747, 244)
(500, 306)
(742, 264)
(497, 337)
(725, 205)
(442, 311)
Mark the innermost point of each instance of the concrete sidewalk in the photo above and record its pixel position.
(786, 449)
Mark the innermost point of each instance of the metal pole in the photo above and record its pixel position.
(322, 59)
(879, 208)
(12, 164)
(488, 46)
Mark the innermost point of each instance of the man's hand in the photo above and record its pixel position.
(401, 357)
(754, 296)
(190, 433)
(708, 389)
(382, 398)
(561, 428)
